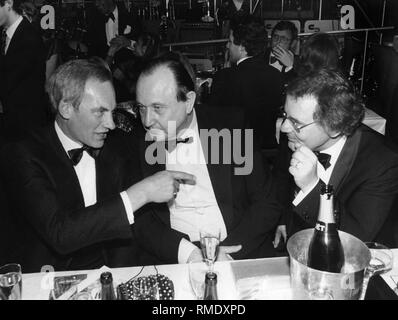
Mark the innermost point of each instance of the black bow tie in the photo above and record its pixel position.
(324, 159)
(110, 16)
(77, 154)
(171, 144)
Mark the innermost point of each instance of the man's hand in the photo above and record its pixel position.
(280, 233)
(225, 251)
(195, 256)
(286, 57)
(303, 167)
(160, 187)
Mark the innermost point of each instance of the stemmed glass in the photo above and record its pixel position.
(209, 242)
(381, 261)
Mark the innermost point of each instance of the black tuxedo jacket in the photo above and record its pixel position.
(47, 204)
(250, 213)
(255, 87)
(96, 34)
(286, 76)
(22, 78)
(365, 180)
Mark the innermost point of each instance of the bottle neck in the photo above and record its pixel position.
(326, 212)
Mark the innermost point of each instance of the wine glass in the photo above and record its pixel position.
(11, 282)
(209, 242)
(381, 261)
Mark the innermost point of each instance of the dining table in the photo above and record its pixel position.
(252, 279)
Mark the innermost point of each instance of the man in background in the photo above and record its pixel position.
(251, 84)
(281, 53)
(109, 23)
(22, 72)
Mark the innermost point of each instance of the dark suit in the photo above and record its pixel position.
(286, 76)
(55, 227)
(245, 203)
(365, 180)
(22, 78)
(255, 87)
(96, 31)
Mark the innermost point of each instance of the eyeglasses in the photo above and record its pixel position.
(278, 38)
(297, 127)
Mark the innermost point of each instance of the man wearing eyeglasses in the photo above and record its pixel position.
(327, 144)
(283, 40)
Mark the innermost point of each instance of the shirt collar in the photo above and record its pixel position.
(243, 59)
(193, 126)
(67, 143)
(12, 28)
(335, 149)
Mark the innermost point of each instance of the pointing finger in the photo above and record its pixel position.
(183, 177)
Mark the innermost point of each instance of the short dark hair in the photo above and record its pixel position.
(320, 50)
(339, 107)
(16, 5)
(285, 25)
(250, 32)
(174, 62)
(68, 81)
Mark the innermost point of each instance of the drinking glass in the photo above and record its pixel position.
(197, 274)
(10, 282)
(145, 288)
(209, 242)
(381, 261)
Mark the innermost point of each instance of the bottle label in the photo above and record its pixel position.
(325, 227)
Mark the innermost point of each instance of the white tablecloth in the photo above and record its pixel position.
(261, 279)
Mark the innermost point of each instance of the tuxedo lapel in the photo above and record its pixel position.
(63, 168)
(220, 174)
(345, 161)
(17, 37)
(149, 169)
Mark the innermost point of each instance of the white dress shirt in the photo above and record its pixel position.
(243, 59)
(112, 27)
(195, 206)
(11, 30)
(323, 174)
(86, 174)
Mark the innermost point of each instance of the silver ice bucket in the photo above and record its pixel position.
(308, 283)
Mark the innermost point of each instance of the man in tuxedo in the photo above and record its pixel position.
(111, 24)
(252, 84)
(280, 55)
(74, 190)
(238, 203)
(22, 72)
(327, 144)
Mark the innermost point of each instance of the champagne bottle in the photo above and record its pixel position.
(107, 290)
(325, 252)
(210, 286)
